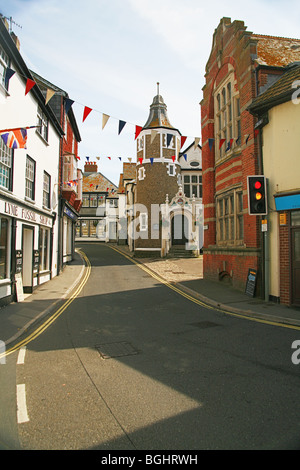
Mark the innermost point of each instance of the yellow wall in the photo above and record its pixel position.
(281, 160)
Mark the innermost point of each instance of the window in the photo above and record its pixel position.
(227, 117)
(4, 62)
(30, 178)
(171, 169)
(230, 229)
(44, 249)
(46, 190)
(6, 158)
(85, 200)
(3, 247)
(42, 122)
(169, 141)
(192, 185)
(93, 200)
(142, 173)
(143, 222)
(113, 203)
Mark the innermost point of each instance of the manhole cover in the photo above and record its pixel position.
(204, 324)
(119, 349)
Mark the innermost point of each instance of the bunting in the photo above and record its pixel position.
(8, 74)
(138, 130)
(105, 118)
(49, 95)
(86, 112)
(29, 85)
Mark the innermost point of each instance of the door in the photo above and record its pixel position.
(179, 229)
(27, 247)
(296, 266)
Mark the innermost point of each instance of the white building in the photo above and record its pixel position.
(28, 178)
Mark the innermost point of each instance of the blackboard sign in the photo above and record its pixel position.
(251, 282)
(19, 261)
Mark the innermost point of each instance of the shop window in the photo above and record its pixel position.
(44, 249)
(3, 247)
(30, 178)
(6, 158)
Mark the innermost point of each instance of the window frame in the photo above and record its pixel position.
(27, 180)
(230, 218)
(6, 165)
(44, 249)
(46, 193)
(227, 116)
(42, 124)
(4, 63)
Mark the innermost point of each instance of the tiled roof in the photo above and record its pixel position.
(96, 182)
(279, 92)
(129, 173)
(276, 51)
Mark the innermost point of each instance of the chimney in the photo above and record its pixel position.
(90, 167)
(16, 40)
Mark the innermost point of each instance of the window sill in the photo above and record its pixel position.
(4, 282)
(31, 201)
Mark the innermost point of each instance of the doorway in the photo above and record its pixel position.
(27, 248)
(180, 227)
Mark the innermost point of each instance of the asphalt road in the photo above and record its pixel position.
(132, 365)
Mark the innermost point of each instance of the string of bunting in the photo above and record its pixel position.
(68, 102)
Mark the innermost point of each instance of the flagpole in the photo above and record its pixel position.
(17, 129)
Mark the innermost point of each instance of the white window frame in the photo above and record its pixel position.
(171, 169)
(43, 124)
(143, 219)
(6, 157)
(4, 63)
(44, 249)
(30, 178)
(142, 173)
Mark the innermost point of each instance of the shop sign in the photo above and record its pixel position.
(29, 215)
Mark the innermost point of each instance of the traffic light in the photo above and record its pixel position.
(257, 195)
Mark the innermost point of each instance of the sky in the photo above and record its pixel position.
(109, 55)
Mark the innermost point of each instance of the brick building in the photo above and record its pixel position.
(240, 66)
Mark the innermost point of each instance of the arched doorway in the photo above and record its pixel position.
(180, 229)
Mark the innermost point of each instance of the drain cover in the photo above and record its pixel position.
(120, 349)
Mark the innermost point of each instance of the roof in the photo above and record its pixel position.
(158, 114)
(280, 92)
(96, 182)
(276, 51)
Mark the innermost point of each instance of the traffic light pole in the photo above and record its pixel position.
(266, 260)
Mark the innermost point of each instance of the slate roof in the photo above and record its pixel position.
(280, 92)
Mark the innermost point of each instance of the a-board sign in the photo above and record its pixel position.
(36, 261)
(251, 282)
(19, 287)
(19, 261)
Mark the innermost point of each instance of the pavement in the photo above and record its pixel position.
(17, 318)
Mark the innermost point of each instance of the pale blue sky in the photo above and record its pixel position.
(109, 54)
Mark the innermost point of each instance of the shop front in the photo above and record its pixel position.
(26, 248)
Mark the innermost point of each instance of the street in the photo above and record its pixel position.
(133, 365)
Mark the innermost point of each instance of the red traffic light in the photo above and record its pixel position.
(257, 184)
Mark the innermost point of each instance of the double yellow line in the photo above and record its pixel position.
(56, 314)
(202, 303)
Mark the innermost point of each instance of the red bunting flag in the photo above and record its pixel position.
(137, 131)
(221, 143)
(183, 139)
(173, 158)
(140, 160)
(256, 132)
(86, 112)
(29, 84)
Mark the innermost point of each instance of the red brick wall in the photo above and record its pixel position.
(285, 281)
(232, 44)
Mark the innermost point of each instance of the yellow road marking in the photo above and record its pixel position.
(56, 314)
(199, 302)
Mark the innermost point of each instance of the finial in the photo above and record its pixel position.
(158, 88)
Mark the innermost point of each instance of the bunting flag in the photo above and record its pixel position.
(29, 84)
(140, 160)
(182, 140)
(151, 160)
(121, 126)
(49, 95)
(173, 158)
(8, 74)
(129, 158)
(256, 132)
(238, 140)
(15, 139)
(247, 138)
(68, 104)
(86, 112)
(109, 158)
(185, 156)
(137, 131)
(197, 140)
(98, 158)
(87, 158)
(105, 118)
(210, 143)
(221, 143)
